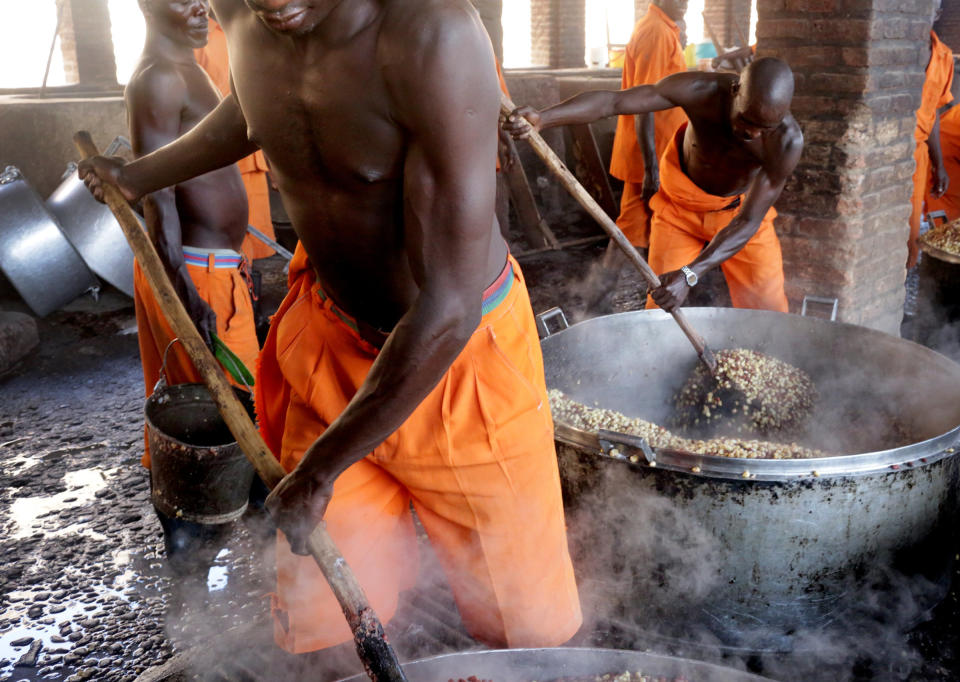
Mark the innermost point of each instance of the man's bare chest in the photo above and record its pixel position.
(718, 162)
(327, 117)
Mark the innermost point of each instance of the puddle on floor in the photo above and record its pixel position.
(82, 485)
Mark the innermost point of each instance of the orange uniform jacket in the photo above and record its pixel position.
(936, 93)
(654, 52)
(225, 289)
(253, 169)
(685, 218)
(476, 459)
(950, 146)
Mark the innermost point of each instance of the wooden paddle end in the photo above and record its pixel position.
(84, 143)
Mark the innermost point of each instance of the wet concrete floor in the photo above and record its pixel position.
(86, 592)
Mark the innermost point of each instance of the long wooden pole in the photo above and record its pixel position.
(583, 197)
(379, 658)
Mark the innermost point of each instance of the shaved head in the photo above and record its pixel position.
(763, 97)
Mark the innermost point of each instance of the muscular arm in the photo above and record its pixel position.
(219, 140)
(444, 94)
(155, 102)
(941, 181)
(645, 130)
(678, 90)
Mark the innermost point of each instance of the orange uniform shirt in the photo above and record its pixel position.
(654, 52)
(213, 59)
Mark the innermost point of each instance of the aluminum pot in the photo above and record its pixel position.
(92, 229)
(524, 665)
(34, 253)
(754, 551)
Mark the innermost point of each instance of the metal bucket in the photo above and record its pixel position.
(524, 665)
(35, 255)
(92, 229)
(197, 471)
(938, 298)
(753, 551)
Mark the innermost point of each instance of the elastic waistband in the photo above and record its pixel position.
(494, 294)
(221, 258)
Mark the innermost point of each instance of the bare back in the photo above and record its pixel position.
(164, 100)
(347, 139)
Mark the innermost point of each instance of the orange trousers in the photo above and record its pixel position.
(258, 199)
(476, 460)
(921, 191)
(226, 292)
(685, 219)
(634, 218)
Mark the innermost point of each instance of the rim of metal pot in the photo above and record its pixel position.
(635, 452)
(561, 661)
(712, 466)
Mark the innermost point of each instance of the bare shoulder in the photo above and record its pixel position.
(696, 90)
(789, 136)
(426, 29)
(436, 53)
(156, 82)
(783, 149)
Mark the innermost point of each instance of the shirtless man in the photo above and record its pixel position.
(715, 204)
(198, 225)
(404, 364)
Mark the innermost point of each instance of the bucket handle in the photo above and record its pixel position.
(163, 380)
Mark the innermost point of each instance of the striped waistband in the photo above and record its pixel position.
(222, 258)
(494, 294)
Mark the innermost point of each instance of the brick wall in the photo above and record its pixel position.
(87, 43)
(558, 29)
(843, 217)
(948, 28)
(725, 17)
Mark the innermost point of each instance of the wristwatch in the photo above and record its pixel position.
(691, 276)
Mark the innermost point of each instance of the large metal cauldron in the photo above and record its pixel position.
(524, 665)
(34, 255)
(92, 229)
(752, 552)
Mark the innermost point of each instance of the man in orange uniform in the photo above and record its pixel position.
(197, 226)
(654, 52)
(949, 203)
(253, 169)
(719, 175)
(403, 368)
(927, 155)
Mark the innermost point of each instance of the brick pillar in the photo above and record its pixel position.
(491, 12)
(558, 29)
(640, 8)
(728, 19)
(86, 42)
(948, 28)
(859, 66)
